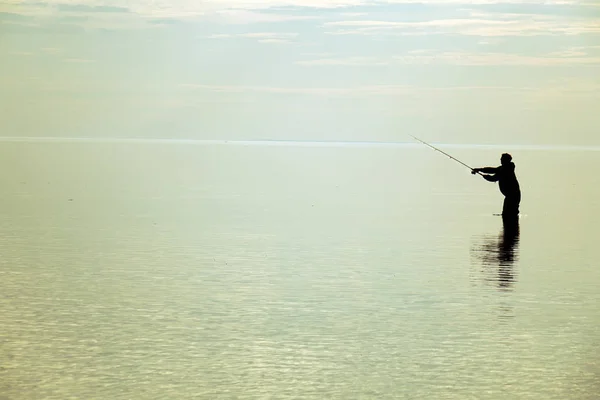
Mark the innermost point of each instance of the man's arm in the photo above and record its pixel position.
(487, 170)
(493, 171)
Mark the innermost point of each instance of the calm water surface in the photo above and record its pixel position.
(147, 271)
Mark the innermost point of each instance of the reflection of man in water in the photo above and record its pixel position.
(499, 255)
(507, 180)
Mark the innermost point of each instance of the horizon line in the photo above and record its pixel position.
(289, 142)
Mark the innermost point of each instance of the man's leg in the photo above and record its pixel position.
(511, 205)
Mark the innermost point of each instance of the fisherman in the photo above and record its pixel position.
(507, 181)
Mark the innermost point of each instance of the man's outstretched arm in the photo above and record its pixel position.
(491, 178)
(486, 170)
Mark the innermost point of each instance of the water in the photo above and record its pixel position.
(152, 271)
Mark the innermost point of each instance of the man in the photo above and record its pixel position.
(507, 181)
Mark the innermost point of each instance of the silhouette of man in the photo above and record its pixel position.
(507, 181)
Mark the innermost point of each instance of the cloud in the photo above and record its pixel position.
(182, 9)
(268, 89)
(240, 16)
(572, 57)
(190, 8)
(490, 41)
(62, 17)
(352, 14)
(273, 41)
(478, 24)
(51, 50)
(22, 53)
(79, 60)
(576, 84)
(12, 17)
(16, 20)
(348, 61)
(261, 37)
(84, 8)
(365, 90)
(268, 35)
(500, 59)
(414, 99)
(159, 12)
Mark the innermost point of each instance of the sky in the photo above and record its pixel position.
(447, 71)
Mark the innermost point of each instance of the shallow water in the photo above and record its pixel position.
(150, 271)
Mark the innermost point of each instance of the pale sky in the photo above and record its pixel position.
(453, 71)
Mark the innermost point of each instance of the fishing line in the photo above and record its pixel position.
(443, 152)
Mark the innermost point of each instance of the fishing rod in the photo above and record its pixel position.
(446, 154)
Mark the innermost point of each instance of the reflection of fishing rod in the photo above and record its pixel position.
(436, 149)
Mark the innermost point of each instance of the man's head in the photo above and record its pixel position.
(505, 159)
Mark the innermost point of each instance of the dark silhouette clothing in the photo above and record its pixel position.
(508, 184)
